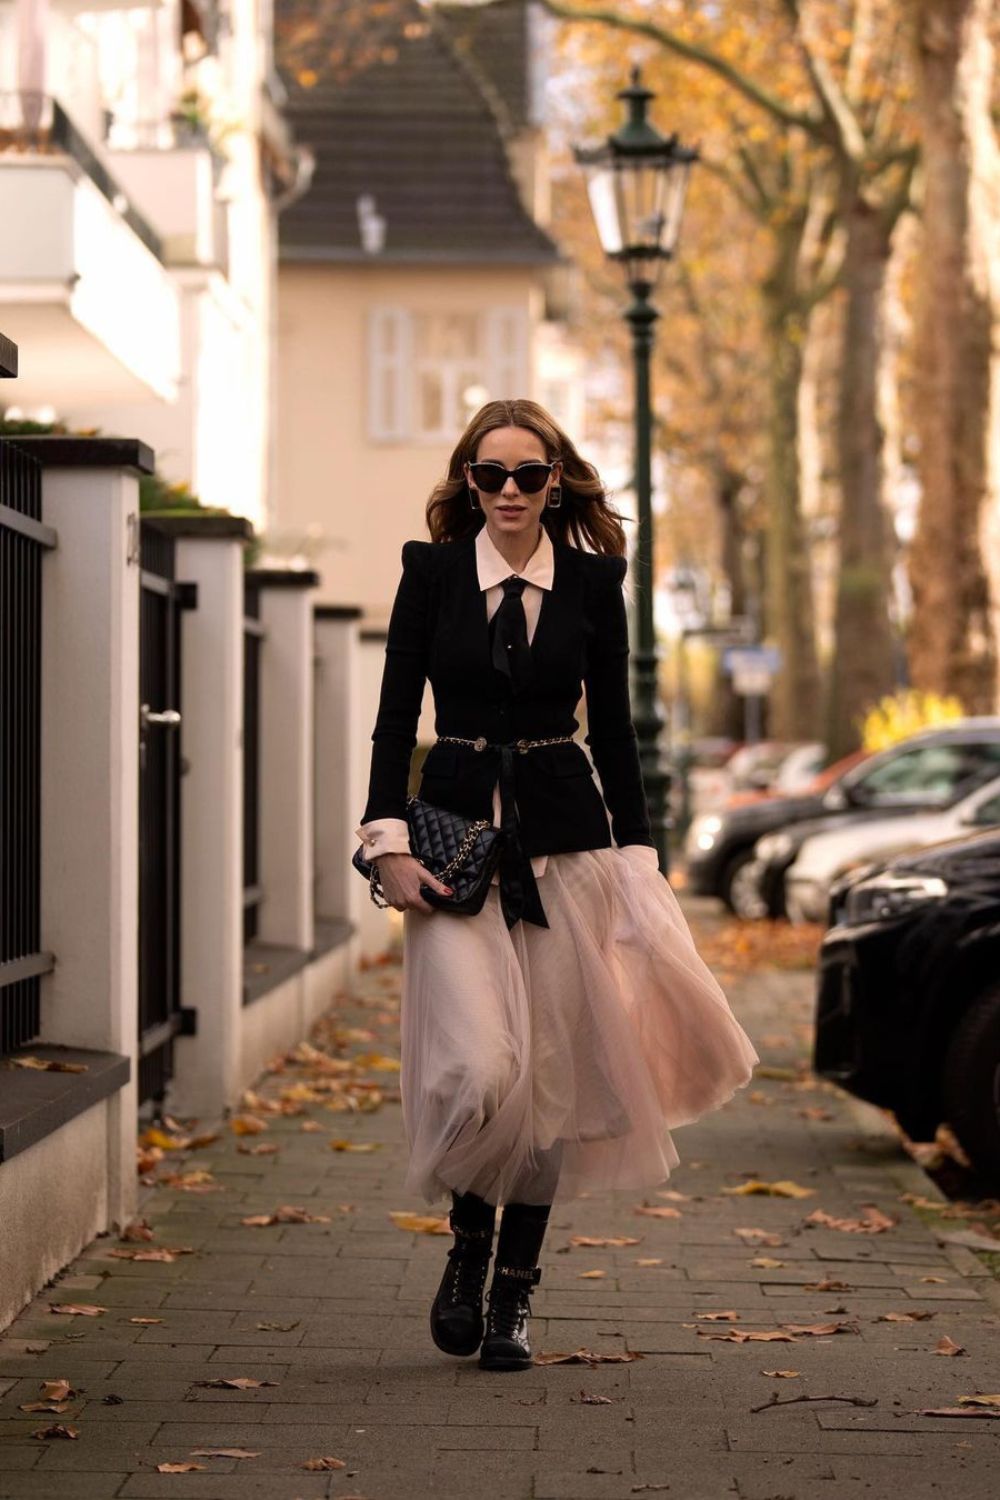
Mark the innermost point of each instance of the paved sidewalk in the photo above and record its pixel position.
(330, 1319)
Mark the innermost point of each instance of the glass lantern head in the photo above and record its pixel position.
(636, 183)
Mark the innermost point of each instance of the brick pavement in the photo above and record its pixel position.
(333, 1316)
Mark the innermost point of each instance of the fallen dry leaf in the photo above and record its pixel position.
(139, 1229)
(728, 1316)
(278, 1327)
(198, 1181)
(758, 1237)
(828, 1284)
(815, 1112)
(604, 1242)
(591, 1275)
(916, 1316)
(235, 1383)
(55, 1407)
(782, 1189)
(265, 1148)
(419, 1223)
(819, 1330)
(47, 1065)
(748, 1336)
(673, 1195)
(56, 1390)
(590, 1398)
(342, 1145)
(979, 1400)
(651, 1212)
(166, 1142)
(934, 1280)
(180, 1468)
(287, 1214)
(165, 1254)
(247, 1125)
(946, 1345)
(57, 1430)
(781, 1374)
(586, 1357)
(225, 1453)
(766, 1263)
(316, 1465)
(77, 1309)
(310, 1127)
(955, 1411)
(649, 1260)
(145, 1320)
(872, 1221)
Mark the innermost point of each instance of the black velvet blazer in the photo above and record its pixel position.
(439, 630)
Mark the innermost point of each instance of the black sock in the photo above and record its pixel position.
(471, 1212)
(522, 1230)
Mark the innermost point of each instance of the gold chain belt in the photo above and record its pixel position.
(523, 746)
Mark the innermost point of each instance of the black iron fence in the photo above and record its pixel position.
(254, 633)
(160, 602)
(23, 540)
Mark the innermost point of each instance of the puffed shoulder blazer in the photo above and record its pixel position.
(439, 630)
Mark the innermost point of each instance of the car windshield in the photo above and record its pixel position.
(927, 774)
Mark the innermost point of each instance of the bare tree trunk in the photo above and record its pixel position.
(952, 641)
(789, 603)
(862, 666)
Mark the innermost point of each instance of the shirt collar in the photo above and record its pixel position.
(492, 568)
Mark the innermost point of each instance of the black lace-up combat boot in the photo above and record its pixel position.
(505, 1343)
(457, 1312)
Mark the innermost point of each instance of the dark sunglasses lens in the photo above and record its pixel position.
(489, 477)
(530, 478)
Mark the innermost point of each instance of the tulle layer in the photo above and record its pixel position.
(541, 1063)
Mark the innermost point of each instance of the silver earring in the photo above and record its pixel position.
(555, 497)
(473, 497)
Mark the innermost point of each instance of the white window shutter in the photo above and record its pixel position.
(507, 353)
(389, 365)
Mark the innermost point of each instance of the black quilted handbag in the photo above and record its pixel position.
(461, 852)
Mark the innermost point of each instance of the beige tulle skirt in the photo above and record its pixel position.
(540, 1063)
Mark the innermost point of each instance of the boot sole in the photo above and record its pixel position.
(505, 1364)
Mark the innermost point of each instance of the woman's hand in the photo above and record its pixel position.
(402, 876)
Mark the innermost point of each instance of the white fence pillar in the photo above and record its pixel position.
(286, 757)
(339, 888)
(206, 1065)
(90, 773)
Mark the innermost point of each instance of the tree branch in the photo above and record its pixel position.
(847, 134)
(691, 52)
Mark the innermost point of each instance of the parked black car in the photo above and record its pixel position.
(931, 769)
(908, 1006)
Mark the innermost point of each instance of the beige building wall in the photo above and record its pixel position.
(368, 495)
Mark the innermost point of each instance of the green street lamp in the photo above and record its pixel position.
(636, 182)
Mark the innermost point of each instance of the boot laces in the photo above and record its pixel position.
(510, 1304)
(468, 1274)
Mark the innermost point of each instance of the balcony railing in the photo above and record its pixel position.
(35, 123)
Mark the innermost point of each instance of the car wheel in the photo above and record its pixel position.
(741, 890)
(972, 1084)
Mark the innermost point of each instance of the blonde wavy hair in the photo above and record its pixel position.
(585, 518)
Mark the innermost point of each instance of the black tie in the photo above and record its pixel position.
(509, 635)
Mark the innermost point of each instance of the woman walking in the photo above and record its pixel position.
(551, 1041)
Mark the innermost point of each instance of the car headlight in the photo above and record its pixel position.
(883, 897)
(774, 846)
(703, 833)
